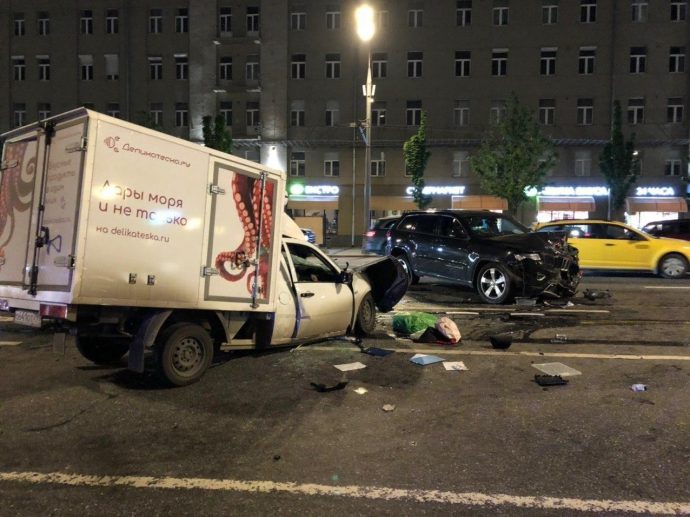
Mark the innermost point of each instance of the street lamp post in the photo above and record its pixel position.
(365, 30)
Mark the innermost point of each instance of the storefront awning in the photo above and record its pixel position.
(480, 203)
(312, 204)
(565, 204)
(655, 204)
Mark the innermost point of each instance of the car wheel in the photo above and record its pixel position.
(101, 350)
(673, 266)
(412, 278)
(493, 283)
(184, 352)
(366, 316)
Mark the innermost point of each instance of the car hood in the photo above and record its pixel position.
(535, 241)
(388, 280)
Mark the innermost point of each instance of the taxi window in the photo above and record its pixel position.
(612, 231)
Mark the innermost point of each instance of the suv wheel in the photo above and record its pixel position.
(412, 278)
(493, 283)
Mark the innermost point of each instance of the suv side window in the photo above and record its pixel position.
(409, 223)
(420, 223)
(451, 227)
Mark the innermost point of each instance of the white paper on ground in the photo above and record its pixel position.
(557, 369)
(454, 365)
(350, 366)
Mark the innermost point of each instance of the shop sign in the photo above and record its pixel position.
(455, 190)
(569, 191)
(298, 189)
(655, 191)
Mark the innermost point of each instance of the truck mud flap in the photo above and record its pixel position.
(388, 280)
(146, 335)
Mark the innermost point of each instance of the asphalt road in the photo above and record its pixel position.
(255, 438)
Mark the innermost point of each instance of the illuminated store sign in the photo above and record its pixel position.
(456, 190)
(655, 191)
(597, 190)
(298, 189)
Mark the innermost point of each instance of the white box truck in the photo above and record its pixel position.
(130, 240)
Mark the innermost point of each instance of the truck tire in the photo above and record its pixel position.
(673, 265)
(493, 283)
(101, 350)
(184, 352)
(366, 316)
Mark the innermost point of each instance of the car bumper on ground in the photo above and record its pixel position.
(551, 277)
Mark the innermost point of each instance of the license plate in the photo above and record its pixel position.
(29, 318)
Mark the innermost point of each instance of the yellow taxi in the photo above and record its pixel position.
(617, 246)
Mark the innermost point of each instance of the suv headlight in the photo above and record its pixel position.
(528, 256)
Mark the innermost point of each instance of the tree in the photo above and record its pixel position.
(619, 165)
(513, 156)
(416, 157)
(216, 134)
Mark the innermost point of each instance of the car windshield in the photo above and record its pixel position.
(493, 225)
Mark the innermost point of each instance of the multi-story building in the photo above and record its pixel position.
(287, 76)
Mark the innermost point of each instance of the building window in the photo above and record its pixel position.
(499, 62)
(43, 68)
(113, 109)
(676, 60)
(414, 64)
(678, 10)
(252, 68)
(636, 110)
(500, 15)
(332, 113)
(225, 111)
(639, 10)
(638, 60)
(181, 66)
(19, 68)
(415, 18)
(19, 114)
(461, 113)
(332, 66)
(225, 68)
(672, 167)
(253, 20)
(156, 114)
(463, 13)
(674, 110)
(463, 60)
(112, 21)
(461, 164)
(377, 167)
(549, 14)
(225, 20)
(378, 113)
(297, 114)
(331, 164)
(298, 164)
(413, 113)
(252, 113)
(498, 111)
(43, 24)
(298, 66)
(583, 163)
(19, 24)
(588, 11)
(382, 19)
(181, 114)
(333, 20)
(156, 21)
(155, 68)
(86, 22)
(86, 67)
(43, 110)
(547, 62)
(298, 21)
(585, 112)
(547, 112)
(379, 65)
(586, 60)
(112, 67)
(182, 20)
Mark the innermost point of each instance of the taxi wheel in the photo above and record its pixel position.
(673, 266)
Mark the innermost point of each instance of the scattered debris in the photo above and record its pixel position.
(276, 457)
(455, 366)
(550, 380)
(388, 407)
(557, 369)
(592, 295)
(639, 387)
(526, 315)
(525, 302)
(424, 359)
(360, 390)
(409, 323)
(377, 352)
(501, 341)
(322, 388)
(560, 338)
(350, 366)
(448, 329)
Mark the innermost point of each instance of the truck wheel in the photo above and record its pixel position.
(101, 350)
(184, 352)
(673, 266)
(366, 316)
(493, 283)
(412, 278)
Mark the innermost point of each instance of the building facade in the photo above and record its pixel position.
(287, 76)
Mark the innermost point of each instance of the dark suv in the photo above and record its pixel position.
(675, 229)
(490, 252)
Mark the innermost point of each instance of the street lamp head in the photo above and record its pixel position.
(364, 16)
